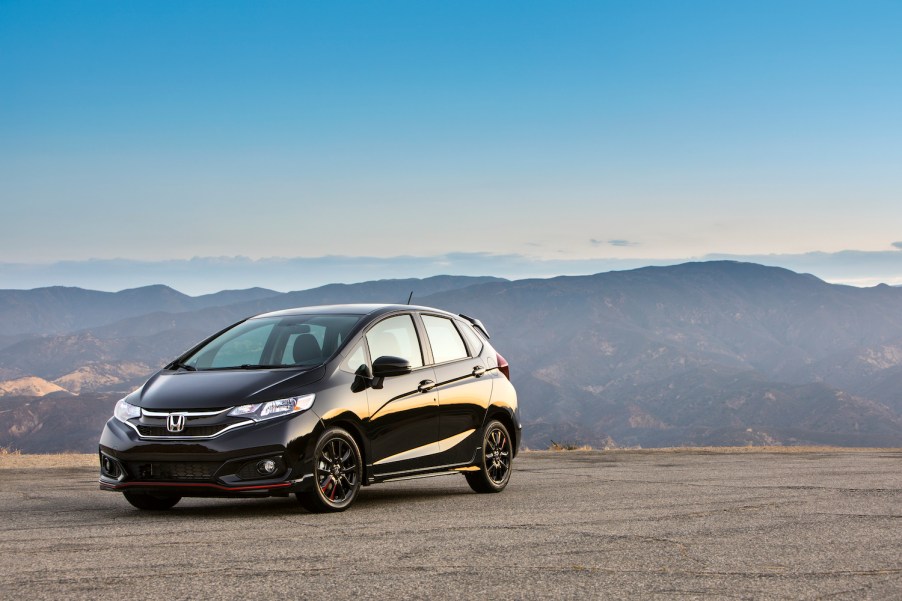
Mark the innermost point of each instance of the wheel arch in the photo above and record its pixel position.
(506, 417)
(351, 423)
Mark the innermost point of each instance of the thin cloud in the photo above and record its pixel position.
(616, 242)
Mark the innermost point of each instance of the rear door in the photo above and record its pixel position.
(463, 392)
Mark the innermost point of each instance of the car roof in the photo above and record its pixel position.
(352, 309)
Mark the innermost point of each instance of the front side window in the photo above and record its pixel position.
(444, 338)
(395, 337)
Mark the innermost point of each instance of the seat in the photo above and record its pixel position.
(306, 349)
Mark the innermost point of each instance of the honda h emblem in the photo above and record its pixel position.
(175, 422)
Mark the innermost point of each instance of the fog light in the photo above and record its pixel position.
(109, 467)
(267, 467)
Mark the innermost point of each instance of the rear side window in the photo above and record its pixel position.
(444, 338)
(395, 337)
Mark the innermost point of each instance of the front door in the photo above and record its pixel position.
(403, 425)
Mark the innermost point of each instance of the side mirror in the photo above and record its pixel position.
(387, 366)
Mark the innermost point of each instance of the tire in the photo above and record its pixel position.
(149, 502)
(337, 473)
(495, 462)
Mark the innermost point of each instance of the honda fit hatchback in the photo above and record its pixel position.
(317, 401)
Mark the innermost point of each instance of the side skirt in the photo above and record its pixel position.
(426, 472)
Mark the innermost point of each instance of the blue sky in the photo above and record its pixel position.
(550, 131)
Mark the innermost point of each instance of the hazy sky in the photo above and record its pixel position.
(554, 130)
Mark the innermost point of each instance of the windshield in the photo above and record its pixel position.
(270, 342)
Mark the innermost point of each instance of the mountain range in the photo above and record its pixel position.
(716, 352)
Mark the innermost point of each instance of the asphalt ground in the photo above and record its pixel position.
(571, 525)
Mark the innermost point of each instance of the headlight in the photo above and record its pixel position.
(125, 411)
(261, 411)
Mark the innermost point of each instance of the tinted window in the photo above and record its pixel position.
(446, 342)
(395, 337)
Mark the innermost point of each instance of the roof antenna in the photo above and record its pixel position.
(409, 298)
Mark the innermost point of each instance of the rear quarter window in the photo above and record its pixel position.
(474, 340)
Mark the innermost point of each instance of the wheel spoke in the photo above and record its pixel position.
(336, 469)
(497, 456)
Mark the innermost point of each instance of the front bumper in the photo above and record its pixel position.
(234, 464)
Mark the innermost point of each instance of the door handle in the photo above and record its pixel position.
(478, 370)
(426, 386)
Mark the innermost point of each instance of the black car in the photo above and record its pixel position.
(317, 401)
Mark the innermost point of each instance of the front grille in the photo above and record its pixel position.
(187, 432)
(196, 424)
(163, 471)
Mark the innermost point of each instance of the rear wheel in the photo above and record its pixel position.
(150, 502)
(337, 472)
(496, 460)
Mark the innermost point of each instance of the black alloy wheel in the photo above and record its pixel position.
(496, 461)
(150, 502)
(337, 473)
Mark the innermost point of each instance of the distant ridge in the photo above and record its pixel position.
(703, 353)
(60, 309)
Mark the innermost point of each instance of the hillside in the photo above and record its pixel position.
(701, 353)
(29, 386)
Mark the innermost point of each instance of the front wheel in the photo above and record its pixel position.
(150, 502)
(337, 472)
(495, 465)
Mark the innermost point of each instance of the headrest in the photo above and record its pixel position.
(306, 349)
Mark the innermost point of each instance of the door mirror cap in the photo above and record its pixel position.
(387, 366)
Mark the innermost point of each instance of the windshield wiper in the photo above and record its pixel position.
(185, 366)
(255, 366)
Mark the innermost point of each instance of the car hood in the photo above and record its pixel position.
(218, 389)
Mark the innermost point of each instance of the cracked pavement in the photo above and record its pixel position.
(619, 524)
